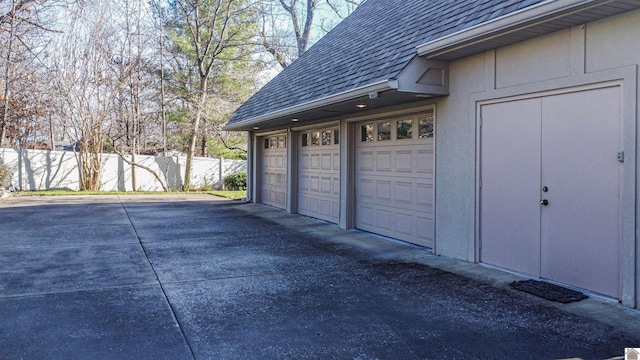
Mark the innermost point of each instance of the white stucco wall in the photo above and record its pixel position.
(43, 170)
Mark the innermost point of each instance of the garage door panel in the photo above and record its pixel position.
(303, 203)
(365, 161)
(404, 224)
(404, 161)
(322, 174)
(365, 189)
(424, 194)
(326, 163)
(404, 193)
(304, 163)
(304, 182)
(336, 162)
(314, 184)
(425, 162)
(383, 161)
(383, 219)
(427, 225)
(383, 190)
(274, 172)
(325, 187)
(391, 183)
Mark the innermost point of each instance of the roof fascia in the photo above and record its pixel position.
(380, 86)
(518, 20)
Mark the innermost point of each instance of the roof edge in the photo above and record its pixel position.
(384, 85)
(520, 19)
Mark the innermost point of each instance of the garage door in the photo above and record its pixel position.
(394, 193)
(319, 174)
(274, 171)
(550, 188)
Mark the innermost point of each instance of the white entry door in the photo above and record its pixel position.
(550, 188)
(274, 171)
(394, 192)
(319, 174)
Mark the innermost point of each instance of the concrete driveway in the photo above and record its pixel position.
(194, 277)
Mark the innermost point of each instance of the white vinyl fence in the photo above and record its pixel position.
(48, 170)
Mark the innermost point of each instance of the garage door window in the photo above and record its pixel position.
(425, 126)
(404, 129)
(384, 131)
(320, 138)
(326, 137)
(367, 132)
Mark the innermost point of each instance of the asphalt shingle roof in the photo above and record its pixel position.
(373, 44)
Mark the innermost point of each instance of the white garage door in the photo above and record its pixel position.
(274, 171)
(319, 174)
(550, 188)
(395, 178)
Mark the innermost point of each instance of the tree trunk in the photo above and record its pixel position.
(7, 74)
(194, 134)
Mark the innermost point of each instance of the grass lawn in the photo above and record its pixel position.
(230, 194)
(226, 194)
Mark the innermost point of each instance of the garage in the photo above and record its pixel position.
(394, 178)
(550, 172)
(274, 171)
(319, 174)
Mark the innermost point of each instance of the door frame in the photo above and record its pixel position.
(626, 79)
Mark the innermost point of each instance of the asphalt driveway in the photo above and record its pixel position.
(195, 277)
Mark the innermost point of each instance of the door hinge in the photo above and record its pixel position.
(621, 156)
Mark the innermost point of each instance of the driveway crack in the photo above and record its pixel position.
(155, 273)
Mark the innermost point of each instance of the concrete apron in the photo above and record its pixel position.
(183, 277)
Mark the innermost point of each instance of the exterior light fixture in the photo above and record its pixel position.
(361, 106)
(295, 119)
(255, 128)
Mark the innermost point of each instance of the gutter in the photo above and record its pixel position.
(512, 22)
(380, 86)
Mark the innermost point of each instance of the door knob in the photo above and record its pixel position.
(544, 202)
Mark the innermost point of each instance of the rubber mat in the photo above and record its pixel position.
(548, 291)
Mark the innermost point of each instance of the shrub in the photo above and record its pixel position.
(5, 174)
(236, 181)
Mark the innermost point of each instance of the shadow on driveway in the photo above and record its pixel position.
(134, 277)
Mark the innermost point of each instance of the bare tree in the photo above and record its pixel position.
(213, 28)
(24, 29)
(286, 44)
(83, 76)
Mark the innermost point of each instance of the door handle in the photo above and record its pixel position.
(544, 202)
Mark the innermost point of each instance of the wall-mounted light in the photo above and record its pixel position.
(295, 119)
(255, 128)
(361, 106)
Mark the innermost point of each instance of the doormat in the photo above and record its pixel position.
(548, 291)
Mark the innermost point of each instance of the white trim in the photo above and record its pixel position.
(379, 86)
(405, 110)
(518, 20)
(328, 124)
